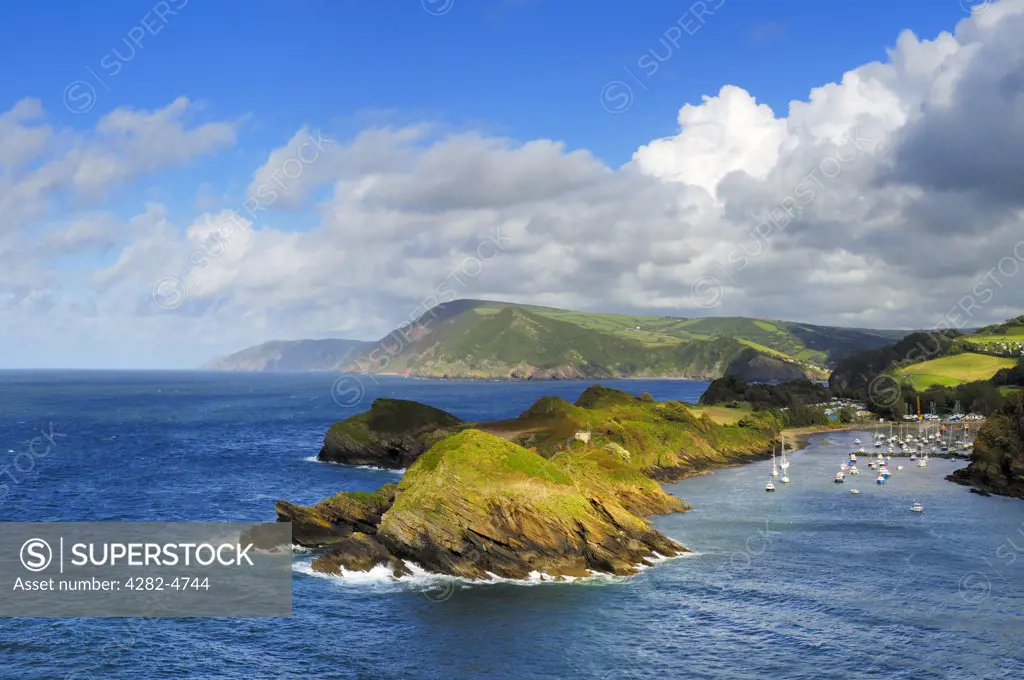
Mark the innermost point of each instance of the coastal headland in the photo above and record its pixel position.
(564, 489)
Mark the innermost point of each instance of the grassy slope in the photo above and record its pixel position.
(991, 338)
(803, 342)
(494, 342)
(1013, 335)
(643, 436)
(488, 339)
(474, 496)
(389, 417)
(955, 369)
(723, 415)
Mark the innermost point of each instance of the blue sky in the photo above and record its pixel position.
(493, 114)
(523, 68)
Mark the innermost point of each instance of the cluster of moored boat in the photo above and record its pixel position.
(880, 463)
(770, 486)
(928, 439)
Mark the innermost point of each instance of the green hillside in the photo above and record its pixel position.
(1004, 340)
(955, 369)
(474, 339)
(818, 345)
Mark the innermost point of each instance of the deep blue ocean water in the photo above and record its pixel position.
(809, 582)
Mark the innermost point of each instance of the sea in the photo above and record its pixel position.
(808, 582)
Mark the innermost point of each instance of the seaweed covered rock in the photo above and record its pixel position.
(997, 463)
(392, 434)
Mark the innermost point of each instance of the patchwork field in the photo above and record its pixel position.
(953, 370)
(723, 415)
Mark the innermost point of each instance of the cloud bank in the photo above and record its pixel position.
(893, 198)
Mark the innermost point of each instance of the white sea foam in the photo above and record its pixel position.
(399, 471)
(420, 579)
(313, 459)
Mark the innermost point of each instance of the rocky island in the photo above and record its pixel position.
(562, 490)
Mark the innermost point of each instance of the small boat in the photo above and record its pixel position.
(921, 462)
(913, 457)
(884, 472)
(775, 470)
(856, 442)
(855, 492)
(839, 478)
(916, 507)
(898, 468)
(785, 463)
(769, 486)
(880, 480)
(785, 478)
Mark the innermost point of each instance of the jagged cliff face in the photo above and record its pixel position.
(997, 463)
(519, 496)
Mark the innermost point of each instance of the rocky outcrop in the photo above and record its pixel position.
(336, 518)
(997, 463)
(526, 495)
(359, 552)
(392, 434)
(477, 505)
(759, 367)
